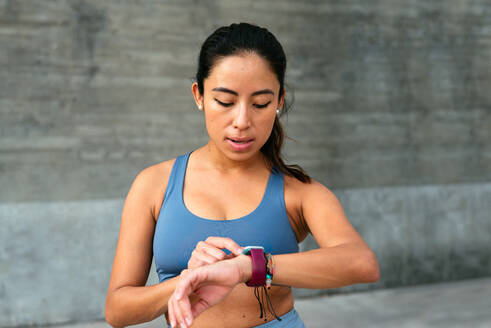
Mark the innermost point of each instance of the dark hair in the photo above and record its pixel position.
(239, 38)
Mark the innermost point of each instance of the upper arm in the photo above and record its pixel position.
(325, 217)
(133, 257)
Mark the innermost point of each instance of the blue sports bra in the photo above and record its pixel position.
(178, 230)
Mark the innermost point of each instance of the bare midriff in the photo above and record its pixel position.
(241, 308)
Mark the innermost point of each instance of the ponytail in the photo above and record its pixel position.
(272, 150)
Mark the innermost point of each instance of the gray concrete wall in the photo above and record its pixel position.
(392, 112)
(386, 92)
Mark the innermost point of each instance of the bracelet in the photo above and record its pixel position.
(269, 269)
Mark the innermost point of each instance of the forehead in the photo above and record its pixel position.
(242, 73)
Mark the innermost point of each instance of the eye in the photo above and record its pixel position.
(263, 106)
(223, 104)
(230, 104)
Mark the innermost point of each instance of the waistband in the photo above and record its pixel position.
(291, 319)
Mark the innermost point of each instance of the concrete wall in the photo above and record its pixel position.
(386, 93)
(392, 112)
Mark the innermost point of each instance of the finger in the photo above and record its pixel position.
(229, 256)
(189, 282)
(181, 292)
(210, 249)
(206, 258)
(197, 261)
(225, 242)
(183, 288)
(185, 309)
(170, 311)
(178, 313)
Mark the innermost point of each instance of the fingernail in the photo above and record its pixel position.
(188, 321)
(183, 325)
(239, 250)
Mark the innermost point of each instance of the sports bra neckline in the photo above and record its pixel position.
(242, 218)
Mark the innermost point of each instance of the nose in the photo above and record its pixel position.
(241, 118)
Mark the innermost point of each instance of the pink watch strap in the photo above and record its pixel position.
(258, 277)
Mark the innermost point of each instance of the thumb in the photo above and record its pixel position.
(183, 288)
(189, 282)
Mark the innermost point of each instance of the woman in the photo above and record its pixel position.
(196, 213)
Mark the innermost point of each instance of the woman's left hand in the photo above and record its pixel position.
(210, 283)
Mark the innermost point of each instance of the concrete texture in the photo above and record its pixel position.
(386, 92)
(457, 304)
(421, 234)
(55, 258)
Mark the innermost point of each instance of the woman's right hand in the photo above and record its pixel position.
(210, 251)
(209, 285)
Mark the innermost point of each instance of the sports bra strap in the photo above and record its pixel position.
(176, 178)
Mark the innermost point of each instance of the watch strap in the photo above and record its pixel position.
(258, 277)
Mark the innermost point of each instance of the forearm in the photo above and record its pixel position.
(324, 268)
(132, 305)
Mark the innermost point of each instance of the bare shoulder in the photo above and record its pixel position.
(154, 175)
(152, 182)
(307, 189)
(162, 170)
(317, 198)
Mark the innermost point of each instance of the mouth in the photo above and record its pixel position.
(240, 144)
(240, 141)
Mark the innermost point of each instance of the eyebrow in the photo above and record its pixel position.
(255, 93)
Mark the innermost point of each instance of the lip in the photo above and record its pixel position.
(245, 144)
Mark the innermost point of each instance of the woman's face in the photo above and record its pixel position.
(239, 102)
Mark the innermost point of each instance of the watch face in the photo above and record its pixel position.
(247, 249)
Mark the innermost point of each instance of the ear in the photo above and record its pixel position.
(198, 97)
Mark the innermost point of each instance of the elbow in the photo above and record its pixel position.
(110, 323)
(111, 320)
(368, 270)
(109, 315)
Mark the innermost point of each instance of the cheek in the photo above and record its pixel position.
(214, 122)
(266, 125)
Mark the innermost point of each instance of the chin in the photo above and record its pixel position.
(241, 156)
